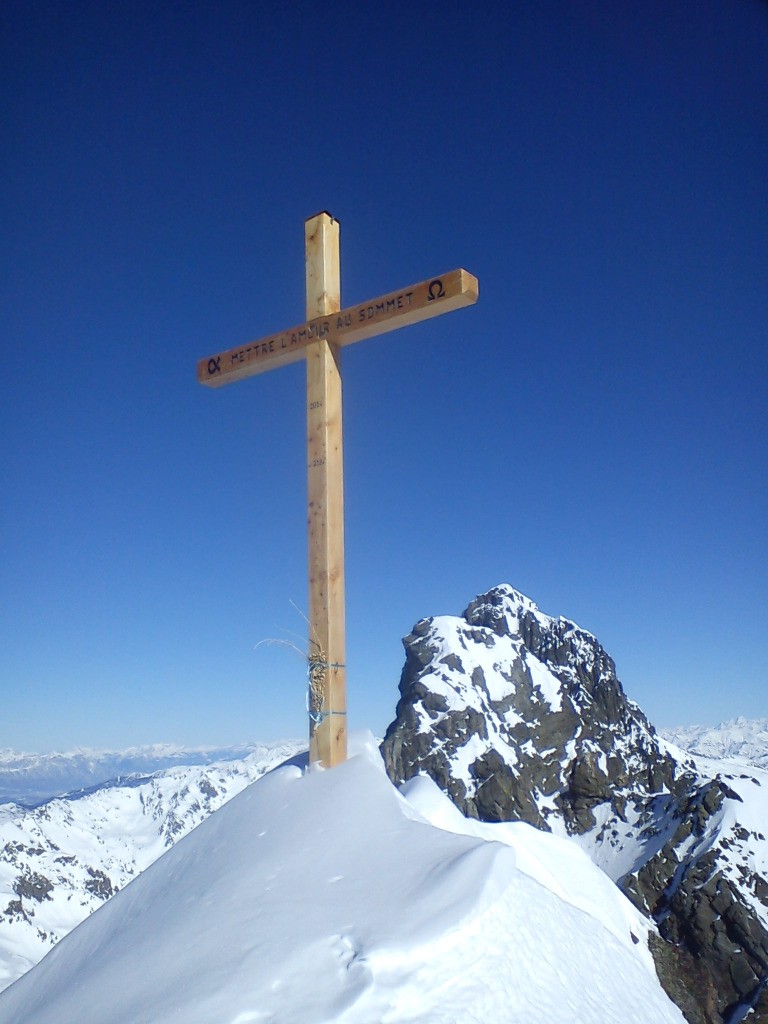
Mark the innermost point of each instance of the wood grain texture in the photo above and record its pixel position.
(410, 305)
(325, 508)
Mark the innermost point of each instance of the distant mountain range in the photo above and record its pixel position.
(60, 860)
(740, 739)
(516, 716)
(32, 779)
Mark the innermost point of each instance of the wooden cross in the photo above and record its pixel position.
(327, 329)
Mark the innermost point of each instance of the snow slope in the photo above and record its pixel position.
(60, 861)
(328, 896)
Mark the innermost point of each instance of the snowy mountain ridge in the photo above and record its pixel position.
(31, 779)
(519, 716)
(330, 896)
(63, 859)
(739, 739)
(520, 719)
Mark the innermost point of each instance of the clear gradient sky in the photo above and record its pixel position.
(592, 432)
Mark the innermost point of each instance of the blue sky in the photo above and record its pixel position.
(592, 432)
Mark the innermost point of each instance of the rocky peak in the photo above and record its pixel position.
(574, 656)
(521, 716)
(529, 714)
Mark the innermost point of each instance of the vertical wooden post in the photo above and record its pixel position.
(327, 699)
(319, 339)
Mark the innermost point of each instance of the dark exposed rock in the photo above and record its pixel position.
(16, 911)
(99, 884)
(33, 886)
(207, 787)
(686, 981)
(11, 852)
(519, 716)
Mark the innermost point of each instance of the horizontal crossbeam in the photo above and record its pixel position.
(410, 305)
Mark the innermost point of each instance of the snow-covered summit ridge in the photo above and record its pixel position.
(557, 640)
(522, 714)
(505, 604)
(329, 896)
(506, 705)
